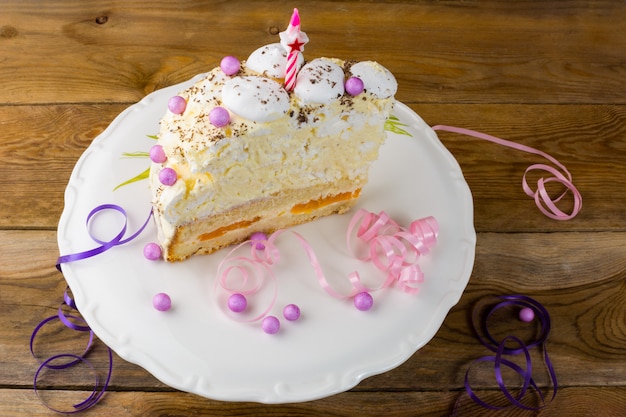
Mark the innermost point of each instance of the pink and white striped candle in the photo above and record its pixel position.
(293, 40)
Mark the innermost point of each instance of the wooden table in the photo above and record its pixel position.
(547, 74)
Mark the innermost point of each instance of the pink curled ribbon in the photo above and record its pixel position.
(545, 203)
(502, 348)
(247, 275)
(391, 248)
(68, 360)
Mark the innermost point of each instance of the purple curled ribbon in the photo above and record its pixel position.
(104, 245)
(77, 323)
(69, 321)
(500, 349)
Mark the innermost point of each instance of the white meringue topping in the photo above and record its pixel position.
(270, 60)
(320, 81)
(255, 98)
(377, 79)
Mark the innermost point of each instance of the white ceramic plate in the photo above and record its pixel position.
(194, 347)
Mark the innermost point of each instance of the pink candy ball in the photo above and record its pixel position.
(177, 105)
(157, 154)
(270, 325)
(162, 302)
(230, 65)
(526, 314)
(257, 238)
(168, 176)
(291, 312)
(219, 117)
(363, 301)
(237, 303)
(354, 86)
(152, 251)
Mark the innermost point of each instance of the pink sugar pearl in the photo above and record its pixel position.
(162, 302)
(270, 325)
(237, 303)
(168, 176)
(363, 301)
(354, 86)
(152, 251)
(256, 238)
(291, 312)
(230, 65)
(177, 105)
(526, 314)
(157, 154)
(219, 117)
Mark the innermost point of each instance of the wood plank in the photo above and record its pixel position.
(544, 73)
(453, 52)
(44, 142)
(570, 401)
(586, 302)
(588, 140)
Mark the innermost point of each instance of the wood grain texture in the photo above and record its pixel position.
(582, 403)
(440, 51)
(547, 74)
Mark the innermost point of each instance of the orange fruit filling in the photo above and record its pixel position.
(223, 230)
(297, 209)
(325, 201)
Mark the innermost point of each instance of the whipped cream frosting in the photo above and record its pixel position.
(275, 140)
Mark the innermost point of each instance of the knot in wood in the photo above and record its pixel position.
(8, 32)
